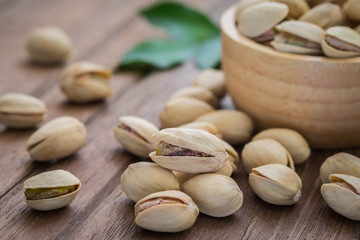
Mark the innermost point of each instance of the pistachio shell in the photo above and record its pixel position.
(265, 151)
(52, 179)
(342, 194)
(276, 184)
(205, 126)
(216, 195)
(243, 4)
(233, 157)
(84, 82)
(193, 140)
(21, 110)
(236, 127)
(260, 18)
(58, 138)
(324, 15)
(154, 213)
(293, 141)
(342, 163)
(143, 178)
(179, 111)
(357, 29)
(296, 7)
(197, 92)
(212, 79)
(352, 10)
(135, 134)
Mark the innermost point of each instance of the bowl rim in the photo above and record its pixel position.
(228, 28)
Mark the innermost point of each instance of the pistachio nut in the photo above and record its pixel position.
(293, 141)
(21, 110)
(205, 126)
(298, 37)
(48, 45)
(258, 21)
(243, 4)
(357, 29)
(84, 82)
(216, 195)
(236, 127)
(233, 156)
(189, 150)
(276, 184)
(179, 111)
(324, 15)
(58, 138)
(143, 178)
(135, 134)
(265, 151)
(341, 42)
(352, 10)
(296, 7)
(342, 194)
(166, 211)
(51, 190)
(342, 163)
(212, 79)
(197, 92)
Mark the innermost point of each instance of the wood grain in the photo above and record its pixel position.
(102, 32)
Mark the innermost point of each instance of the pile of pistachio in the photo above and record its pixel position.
(331, 28)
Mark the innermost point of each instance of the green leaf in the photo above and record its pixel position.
(209, 53)
(182, 22)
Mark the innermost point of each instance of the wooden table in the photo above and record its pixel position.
(102, 32)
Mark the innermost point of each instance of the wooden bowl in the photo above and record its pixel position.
(317, 96)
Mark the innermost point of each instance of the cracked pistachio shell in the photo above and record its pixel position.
(293, 141)
(305, 30)
(58, 138)
(48, 45)
(135, 134)
(342, 194)
(179, 111)
(324, 15)
(52, 179)
(265, 151)
(243, 4)
(342, 163)
(21, 110)
(352, 10)
(197, 92)
(166, 211)
(236, 127)
(205, 126)
(195, 140)
(212, 79)
(276, 184)
(296, 7)
(84, 82)
(216, 195)
(143, 178)
(260, 18)
(344, 36)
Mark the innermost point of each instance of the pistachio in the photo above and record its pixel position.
(313, 3)
(49, 45)
(189, 150)
(352, 10)
(135, 134)
(58, 138)
(84, 82)
(293, 141)
(357, 29)
(298, 37)
(342, 163)
(265, 151)
(258, 21)
(276, 184)
(197, 92)
(167, 211)
(342, 194)
(216, 195)
(179, 111)
(143, 178)
(340, 42)
(236, 127)
(324, 15)
(212, 79)
(296, 7)
(233, 156)
(205, 126)
(243, 4)
(21, 110)
(51, 190)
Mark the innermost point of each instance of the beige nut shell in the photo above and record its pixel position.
(205, 126)
(212, 79)
(296, 7)
(352, 10)
(197, 92)
(324, 15)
